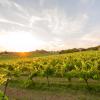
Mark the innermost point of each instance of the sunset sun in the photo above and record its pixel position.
(20, 41)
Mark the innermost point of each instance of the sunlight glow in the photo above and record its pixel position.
(20, 41)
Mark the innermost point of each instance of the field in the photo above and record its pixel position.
(72, 76)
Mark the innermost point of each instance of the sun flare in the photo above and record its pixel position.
(20, 41)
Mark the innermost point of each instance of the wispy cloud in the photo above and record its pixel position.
(6, 2)
(63, 24)
(56, 22)
(42, 2)
(87, 1)
(11, 22)
(33, 19)
(21, 10)
(93, 36)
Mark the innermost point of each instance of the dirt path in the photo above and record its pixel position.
(19, 94)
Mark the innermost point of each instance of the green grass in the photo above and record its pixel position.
(59, 89)
(57, 84)
(11, 58)
(1, 95)
(24, 94)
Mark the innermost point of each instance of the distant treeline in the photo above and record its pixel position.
(54, 52)
(79, 49)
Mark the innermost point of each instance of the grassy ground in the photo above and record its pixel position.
(59, 89)
(22, 94)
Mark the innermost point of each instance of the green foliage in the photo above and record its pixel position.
(82, 65)
(1, 96)
(28, 83)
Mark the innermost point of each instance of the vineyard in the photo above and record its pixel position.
(60, 72)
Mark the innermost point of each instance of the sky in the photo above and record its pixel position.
(27, 25)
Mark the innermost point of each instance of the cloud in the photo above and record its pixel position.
(92, 37)
(14, 8)
(42, 2)
(57, 23)
(51, 22)
(11, 22)
(60, 23)
(33, 19)
(21, 10)
(55, 44)
(87, 1)
(19, 7)
(5, 2)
